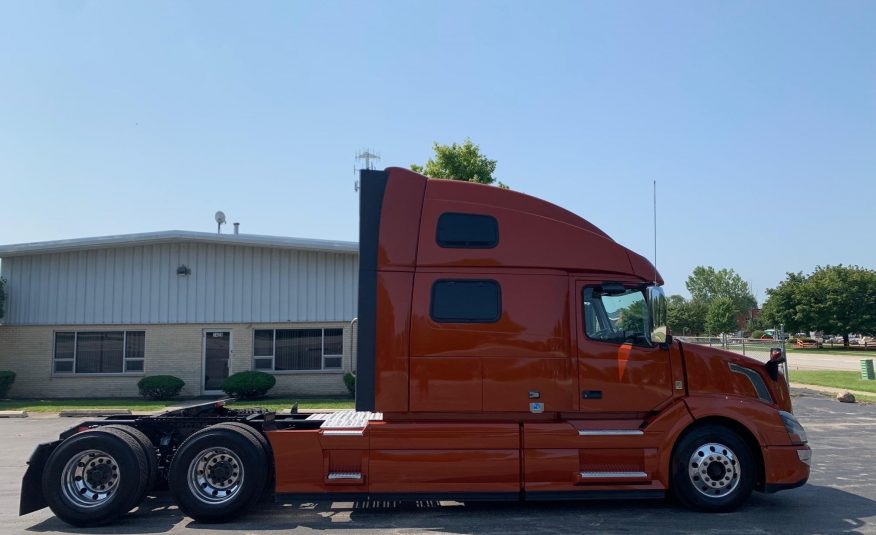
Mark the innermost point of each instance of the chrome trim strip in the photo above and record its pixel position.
(610, 432)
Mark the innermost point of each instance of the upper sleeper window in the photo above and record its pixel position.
(466, 301)
(467, 231)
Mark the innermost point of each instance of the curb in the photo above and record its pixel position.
(13, 414)
(78, 413)
(832, 390)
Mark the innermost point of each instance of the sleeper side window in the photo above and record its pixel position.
(466, 301)
(467, 231)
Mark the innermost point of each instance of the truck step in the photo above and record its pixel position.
(610, 432)
(346, 419)
(345, 476)
(618, 477)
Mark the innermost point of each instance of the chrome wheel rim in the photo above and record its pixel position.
(714, 470)
(215, 475)
(90, 478)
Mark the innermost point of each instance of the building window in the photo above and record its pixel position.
(95, 352)
(467, 231)
(466, 301)
(297, 349)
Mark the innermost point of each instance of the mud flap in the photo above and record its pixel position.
(32, 498)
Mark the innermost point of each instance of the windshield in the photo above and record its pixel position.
(617, 317)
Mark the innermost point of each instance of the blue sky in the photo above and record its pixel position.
(757, 119)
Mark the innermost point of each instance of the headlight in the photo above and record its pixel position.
(795, 430)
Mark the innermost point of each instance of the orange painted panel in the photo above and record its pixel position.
(508, 383)
(562, 435)
(391, 367)
(783, 465)
(298, 461)
(448, 435)
(761, 419)
(330, 440)
(400, 219)
(551, 469)
(708, 372)
(631, 379)
(526, 239)
(444, 471)
(441, 384)
(534, 322)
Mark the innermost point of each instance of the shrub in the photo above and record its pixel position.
(757, 334)
(6, 380)
(350, 381)
(249, 385)
(160, 386)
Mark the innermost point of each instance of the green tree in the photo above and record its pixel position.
(706, 284)
(833, 299)
(685, 316)
(460, 162)
(788, 304)
(633, 318)
(721, 316)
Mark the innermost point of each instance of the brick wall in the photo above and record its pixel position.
(170, 349)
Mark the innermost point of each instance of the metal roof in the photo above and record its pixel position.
(177, 236)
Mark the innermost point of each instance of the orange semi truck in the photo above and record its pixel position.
(508, 350)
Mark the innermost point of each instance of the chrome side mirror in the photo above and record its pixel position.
(657, 309)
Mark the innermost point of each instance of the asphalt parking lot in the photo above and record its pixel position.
(840, 497)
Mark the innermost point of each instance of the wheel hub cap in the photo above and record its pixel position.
(714, 470)
(90, 478)
(215, 475)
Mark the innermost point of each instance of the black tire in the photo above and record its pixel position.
(713, 469)
(263, 441)
(218, 473)
(148, 450)
(69, 480)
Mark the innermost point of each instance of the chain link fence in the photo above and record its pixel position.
(750, 347)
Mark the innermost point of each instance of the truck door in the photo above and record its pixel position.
(619, 370)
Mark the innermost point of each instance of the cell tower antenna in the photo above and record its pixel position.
(369, 158)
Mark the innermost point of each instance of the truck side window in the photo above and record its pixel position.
(617, 318)
(466, 301)
(467, 231)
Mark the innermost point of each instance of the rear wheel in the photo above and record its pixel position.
(94, 477)
(713, 469)
(263, 442)
(218, 473)
(148, 450)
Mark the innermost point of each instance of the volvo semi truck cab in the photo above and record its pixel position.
(508, 349)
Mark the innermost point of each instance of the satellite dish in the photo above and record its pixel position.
(220, 220)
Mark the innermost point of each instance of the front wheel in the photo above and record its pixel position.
(713, 469)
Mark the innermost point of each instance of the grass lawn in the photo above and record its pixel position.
(859, 353)
(836, 379)
(145, 405)
(303, 403)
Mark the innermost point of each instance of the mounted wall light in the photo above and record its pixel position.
(183, 270)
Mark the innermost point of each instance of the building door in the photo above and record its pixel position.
(217, 350)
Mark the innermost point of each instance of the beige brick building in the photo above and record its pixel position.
(90, 317)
